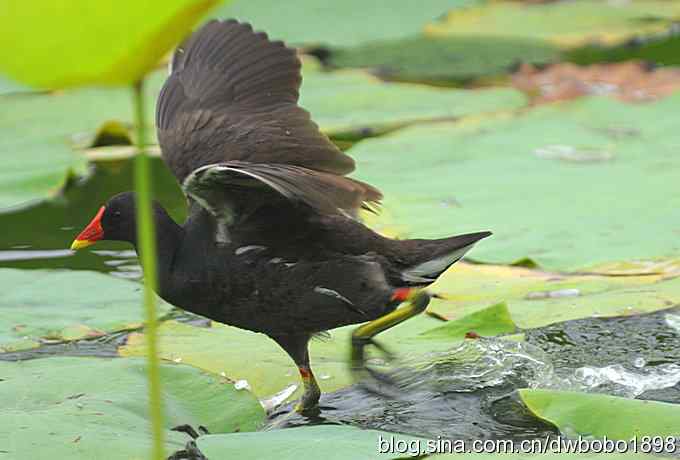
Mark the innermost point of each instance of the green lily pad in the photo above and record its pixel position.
(445, 60)
(597, 415)
(338, 23)
(536, 299)
(490, 321)
(82, 408)
(266, 368)
(570, 186)
(36, 133)
(660, 49)
(330, 442)
(269, 369)
(63, 305)
(357, 103)
(114, 43)
(568, 24)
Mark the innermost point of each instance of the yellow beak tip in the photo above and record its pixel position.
(80, 244)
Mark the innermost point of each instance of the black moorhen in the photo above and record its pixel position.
(271, 243)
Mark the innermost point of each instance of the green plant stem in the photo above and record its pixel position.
(146, 240)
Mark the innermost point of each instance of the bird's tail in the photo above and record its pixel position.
(425, 260)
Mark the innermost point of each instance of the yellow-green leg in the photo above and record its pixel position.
(363, 335)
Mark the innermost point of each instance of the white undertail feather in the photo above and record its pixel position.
(426, 272)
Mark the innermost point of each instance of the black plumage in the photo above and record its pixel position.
(271, 243)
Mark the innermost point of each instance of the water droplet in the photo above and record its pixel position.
(673, 321)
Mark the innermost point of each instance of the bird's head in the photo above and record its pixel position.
(115, 221)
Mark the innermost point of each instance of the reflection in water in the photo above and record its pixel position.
(39, 234)
(27, 254)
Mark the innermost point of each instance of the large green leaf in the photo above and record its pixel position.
(84, 408)
(330, 442)
(598, 415)
(568, 24)
(60, 44)
(343, 23)
(569, 186)
(490, 321)
(65, 305)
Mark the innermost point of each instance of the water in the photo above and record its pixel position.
(468, 391)
(39, 235)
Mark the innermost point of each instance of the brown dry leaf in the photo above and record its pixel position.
(627, 81)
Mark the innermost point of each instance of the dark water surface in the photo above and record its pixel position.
(468, 392)
(39, 235)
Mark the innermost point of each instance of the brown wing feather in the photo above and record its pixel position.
(232, 95)
(323, 192)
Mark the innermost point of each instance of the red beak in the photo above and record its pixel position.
(92, 233)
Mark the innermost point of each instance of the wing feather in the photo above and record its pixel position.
(232, 95)
(322, 192)
(228, 117)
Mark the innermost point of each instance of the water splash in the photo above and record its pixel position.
(617, 380)
(473, 365)
(673, 321)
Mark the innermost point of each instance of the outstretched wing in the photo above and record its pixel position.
(232, 97)
(323, 192)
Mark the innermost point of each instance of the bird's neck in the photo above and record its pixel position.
(169, 238)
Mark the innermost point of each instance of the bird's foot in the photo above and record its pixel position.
(383, 383)
(373, 380)
(307, 408)
(310, 397)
